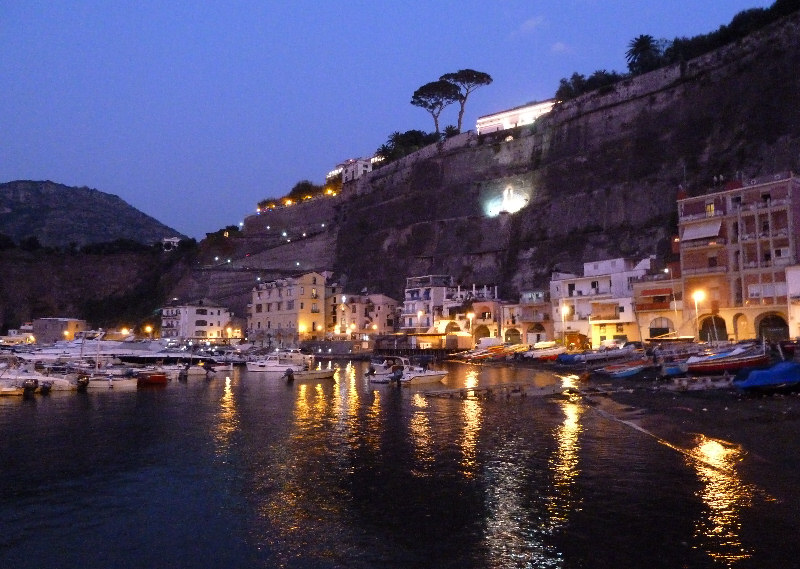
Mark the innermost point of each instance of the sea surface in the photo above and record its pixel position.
(243, 471)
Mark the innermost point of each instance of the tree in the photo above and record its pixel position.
(643, 54)
(434, 97)
(467, 80)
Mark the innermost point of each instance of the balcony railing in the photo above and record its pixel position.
(705, 270)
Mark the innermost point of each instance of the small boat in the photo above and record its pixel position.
(112, 382)
(309, 374)
(544, 351)
(150, 378)
(783, 377)
(414, 376)
(626, 369)
(274, 364)
(730, 360)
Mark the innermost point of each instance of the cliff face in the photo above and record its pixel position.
(600, 174)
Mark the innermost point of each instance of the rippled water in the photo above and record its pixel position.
(248, 472)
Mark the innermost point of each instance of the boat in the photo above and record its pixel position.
(147, 378)
(626, 369)
(112, 382)
(309, 374)
(544, 351)
(783, 377)
(422, 376)
(594, 356)
(274, 364)
(728, 360)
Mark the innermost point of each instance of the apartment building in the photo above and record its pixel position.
(736, 246)
(597, 306)
(286, 311)
(197, 320)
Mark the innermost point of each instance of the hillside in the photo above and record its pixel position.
(59, 215)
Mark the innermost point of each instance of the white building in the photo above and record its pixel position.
(199, 320)
(365, 315)
(598, 305)
(431, 299)
(352, 169)
(518, 116)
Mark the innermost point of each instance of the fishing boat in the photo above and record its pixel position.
(728, 360)
(782, 377)
(626, 369)
(544, 351)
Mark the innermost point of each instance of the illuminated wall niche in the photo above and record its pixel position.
(508, 200)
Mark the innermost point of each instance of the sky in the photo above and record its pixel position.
(193, 112)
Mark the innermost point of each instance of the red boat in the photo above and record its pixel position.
(147, 378)
(730, 361)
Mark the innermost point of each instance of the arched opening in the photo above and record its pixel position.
(739, 327)
(773, 328)
(536, 333)
(481, 331)
(452, 328)
(713, 329)
(661, 327)
(513, 336)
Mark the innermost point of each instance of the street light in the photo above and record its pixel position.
(564, 313)
(149, 330)
(668, 270)
(697, 296)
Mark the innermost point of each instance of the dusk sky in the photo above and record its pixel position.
(192, 112)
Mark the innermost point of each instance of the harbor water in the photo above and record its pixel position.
(244, 471)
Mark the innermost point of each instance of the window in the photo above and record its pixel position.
(302, 305)
(290, 305)
(259, 308)
(620, 328)
(200, 323)
(202, 311)
(710, 209)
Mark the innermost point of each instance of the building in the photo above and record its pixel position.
(736, 246)
(286, 311)
(51, 330)
(364, 316)
(518, 116)
(435, 300)
(351, 169)
(535, 320)
(658, 302)
(597, 306)
(198, 320)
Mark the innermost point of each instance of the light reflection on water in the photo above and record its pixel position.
(346, 474)
(725, 496)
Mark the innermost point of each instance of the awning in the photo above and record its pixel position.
(656, 292)
(702, 230)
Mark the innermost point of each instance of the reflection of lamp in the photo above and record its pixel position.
(470, 316)
(419, 319)
(697, 296)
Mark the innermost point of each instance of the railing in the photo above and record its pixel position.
(713, 242)
(706, 270)
(653, 305)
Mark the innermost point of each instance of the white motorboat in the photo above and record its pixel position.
(275, 365)
(112, 382)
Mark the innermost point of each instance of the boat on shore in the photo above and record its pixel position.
(626, 369)
(544, 351)
(728, 360)
(782, 377)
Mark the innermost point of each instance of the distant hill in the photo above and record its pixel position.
(58, 215)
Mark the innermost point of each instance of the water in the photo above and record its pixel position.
(249, 472)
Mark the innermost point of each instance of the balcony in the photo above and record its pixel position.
(714, 242)
(705, 270)
(644, 306)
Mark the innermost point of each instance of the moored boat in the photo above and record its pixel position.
(780, 378)
(730, 360)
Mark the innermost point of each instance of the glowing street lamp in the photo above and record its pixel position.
(698, 296)
(149, 330)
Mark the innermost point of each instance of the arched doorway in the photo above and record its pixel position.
(773, 328)
(452, 328)
(513, 336)
(739, 326)
(481, 331)
(536, 333)
(713, 329)
(661, 327)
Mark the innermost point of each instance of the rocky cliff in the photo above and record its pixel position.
(599, 175)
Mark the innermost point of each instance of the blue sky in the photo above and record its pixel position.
(192, 112)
